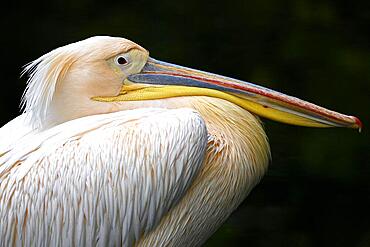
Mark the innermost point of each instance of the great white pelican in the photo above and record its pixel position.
(115, 148)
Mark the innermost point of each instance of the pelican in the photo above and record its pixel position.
(115, 148)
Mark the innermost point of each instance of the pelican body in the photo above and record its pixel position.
(115, 148)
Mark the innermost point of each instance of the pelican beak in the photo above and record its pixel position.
(158, 80)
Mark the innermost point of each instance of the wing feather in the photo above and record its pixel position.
(100, 180)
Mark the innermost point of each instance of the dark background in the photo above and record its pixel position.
(317, 190)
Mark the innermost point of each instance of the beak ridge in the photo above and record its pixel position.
(282, 107)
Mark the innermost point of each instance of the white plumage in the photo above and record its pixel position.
(99, 180)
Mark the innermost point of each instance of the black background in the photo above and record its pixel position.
(317, 190)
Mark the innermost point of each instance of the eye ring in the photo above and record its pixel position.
(120, 60)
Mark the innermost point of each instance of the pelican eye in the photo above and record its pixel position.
(121, 60)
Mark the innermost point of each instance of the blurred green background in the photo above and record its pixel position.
(317, 190)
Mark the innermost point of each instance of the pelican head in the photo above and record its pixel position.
(106, 74)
